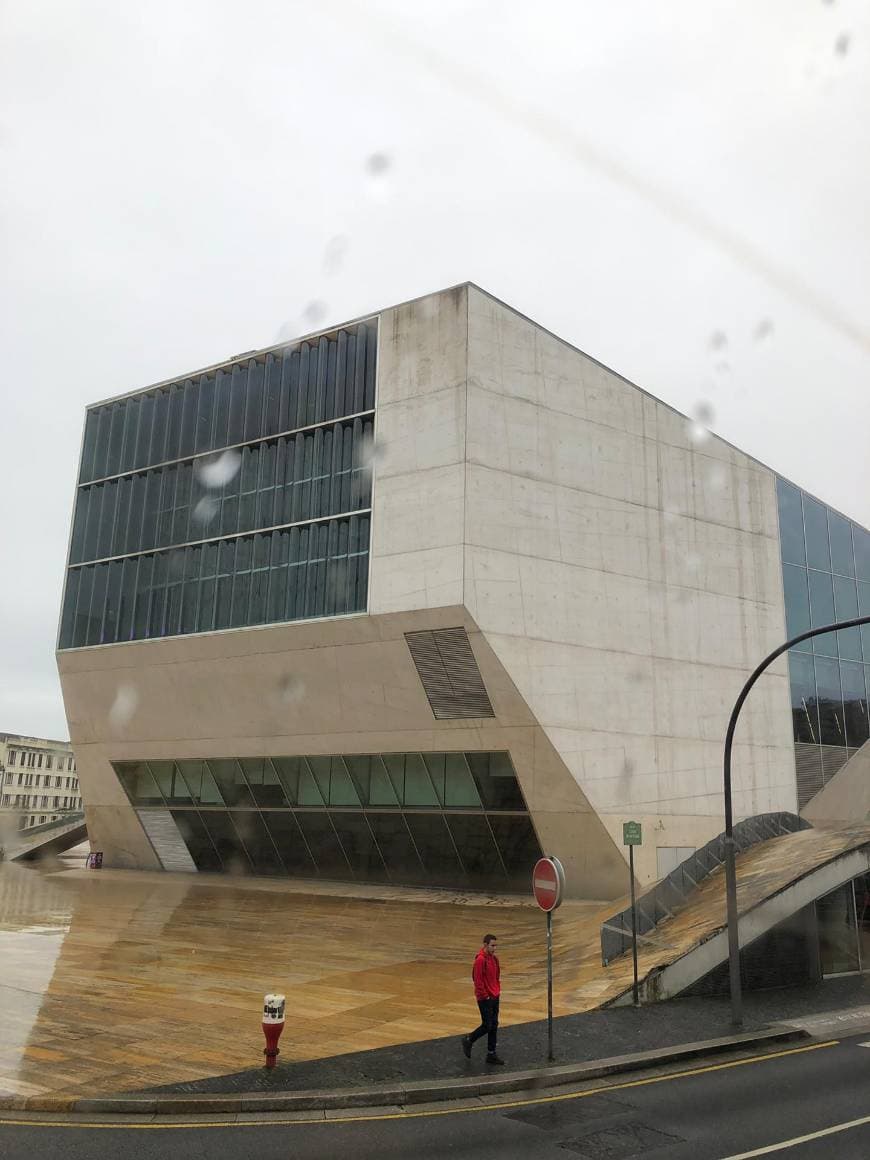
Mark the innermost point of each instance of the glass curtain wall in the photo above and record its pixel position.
(436, 819)
(843, 918)
(237, 497)
(826, 577)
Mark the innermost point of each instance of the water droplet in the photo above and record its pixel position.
(841, 45)
(371, 452)
(315, 312)
(723, 367)
(219, 469)
(123, 707)
(718, 340)
(206, 509)
(288, 330)
(378, 167)
(291, 689)
(702, 418)
(763, 330)
(335, 253)
(717, 478)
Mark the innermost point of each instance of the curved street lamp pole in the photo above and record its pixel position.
(730, 867)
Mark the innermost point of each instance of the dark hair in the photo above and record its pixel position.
(488, 938)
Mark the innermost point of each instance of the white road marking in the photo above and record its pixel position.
(801, 1139)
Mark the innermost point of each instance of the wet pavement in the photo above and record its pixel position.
(119, 980)
(578, 1038)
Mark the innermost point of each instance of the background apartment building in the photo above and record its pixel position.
(38, 780)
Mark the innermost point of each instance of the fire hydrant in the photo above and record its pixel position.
(273, 1025)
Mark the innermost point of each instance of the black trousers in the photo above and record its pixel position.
(488, 1024)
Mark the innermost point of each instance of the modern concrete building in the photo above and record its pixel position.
(422, 595)
(38, 781)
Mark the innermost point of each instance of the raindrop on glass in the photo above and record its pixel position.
(718, 340)
(206, 509)
(291, 689)
(378, 167)
(288, 330)
(702, 418)
(841, 45)
(763, 330)
(371, 451)
(717, 479)
(219, 469)
(123, 707)
(315, 312)
(334, 254)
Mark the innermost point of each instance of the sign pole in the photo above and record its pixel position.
(633, 927)
(550, 1055)
(548, 887)
(632, 835)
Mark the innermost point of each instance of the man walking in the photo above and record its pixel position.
(487, 988)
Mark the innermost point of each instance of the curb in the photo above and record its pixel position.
(403, 1095)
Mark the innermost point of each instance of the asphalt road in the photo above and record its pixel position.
(716, 1110)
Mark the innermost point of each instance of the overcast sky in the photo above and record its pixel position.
(679, 189)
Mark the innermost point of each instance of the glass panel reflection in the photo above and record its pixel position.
(838, 944)
(397, 847)
(289, 842)
(259, 846)
(225, 839)
(323, 843)
(195, 835)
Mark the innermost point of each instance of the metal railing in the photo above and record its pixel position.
(672, 893)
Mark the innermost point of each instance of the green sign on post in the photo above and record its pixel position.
(631, 835)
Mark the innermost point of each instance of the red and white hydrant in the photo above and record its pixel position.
(273, 1025)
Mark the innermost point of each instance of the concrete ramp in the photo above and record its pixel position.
(775, 880)
(50, 838)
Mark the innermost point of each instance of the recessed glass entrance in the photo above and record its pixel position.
(437, 819)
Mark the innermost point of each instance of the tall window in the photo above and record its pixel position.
(234, 498)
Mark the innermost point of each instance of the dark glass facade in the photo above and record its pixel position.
(237, 497)
(826, 577)
(436, 819)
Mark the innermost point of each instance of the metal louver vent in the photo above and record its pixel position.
(815, 765)
(449, 673)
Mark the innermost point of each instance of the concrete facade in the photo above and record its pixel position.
(617, 572)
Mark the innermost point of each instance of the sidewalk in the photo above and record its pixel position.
(587, 1037)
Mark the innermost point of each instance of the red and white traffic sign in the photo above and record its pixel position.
(548, 883)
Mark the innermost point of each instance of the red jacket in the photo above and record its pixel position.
(486, 973)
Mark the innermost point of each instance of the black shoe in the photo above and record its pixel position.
(491, 1057)
(466, 1047)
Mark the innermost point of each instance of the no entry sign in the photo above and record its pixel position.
(548, 883)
